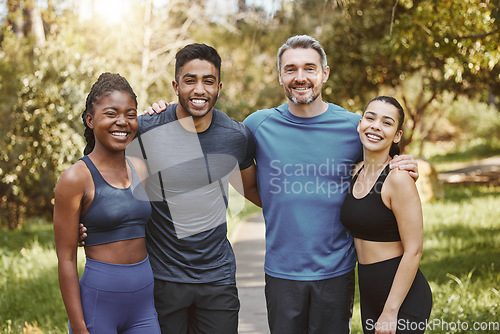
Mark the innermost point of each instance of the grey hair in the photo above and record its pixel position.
(302, 42)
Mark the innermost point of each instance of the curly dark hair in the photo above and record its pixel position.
(105, 84)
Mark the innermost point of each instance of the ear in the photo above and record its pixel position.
(176, 87)
(326, 74)
(220, 88)
(89, 119)
(359, 124)
(398, 136)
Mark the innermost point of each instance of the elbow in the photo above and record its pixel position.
(413, 252)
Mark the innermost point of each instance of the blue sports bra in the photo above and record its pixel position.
(368, 218)
(115, 214)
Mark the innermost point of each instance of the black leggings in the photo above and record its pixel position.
(375, 281)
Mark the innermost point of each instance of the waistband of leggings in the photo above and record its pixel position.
(117, 277)
(381, 263)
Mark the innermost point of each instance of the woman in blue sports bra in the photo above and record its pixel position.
(101, 190)
(382, 211)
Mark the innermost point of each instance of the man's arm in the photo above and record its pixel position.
(405, 162)
(247, 184)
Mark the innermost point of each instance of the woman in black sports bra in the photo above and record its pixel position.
(382, 211)
(115, 292)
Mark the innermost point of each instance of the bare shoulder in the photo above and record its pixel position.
(74, 178)
(400, 181)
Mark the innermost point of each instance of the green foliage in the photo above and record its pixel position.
(42, 97)
(474, 119)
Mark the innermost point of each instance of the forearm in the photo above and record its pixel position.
(403, 280)
(246, 184)
(253, 196)
(70, 291)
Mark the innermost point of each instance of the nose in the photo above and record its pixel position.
(375, 125)
(198, 87)
(300, 77)
(121, 120)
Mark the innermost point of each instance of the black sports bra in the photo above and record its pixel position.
(115, 214)
(368, 218)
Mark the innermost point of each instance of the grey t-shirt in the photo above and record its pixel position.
(187, 186)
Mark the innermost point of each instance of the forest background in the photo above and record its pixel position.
(441, 59)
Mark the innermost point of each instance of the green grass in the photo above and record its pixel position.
(447, 156)
(461, 261)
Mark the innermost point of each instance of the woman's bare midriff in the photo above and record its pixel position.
(119, 252)
(376, 251)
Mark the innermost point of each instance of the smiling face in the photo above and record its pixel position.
(302, 75)
(379, 127)
(198, 88)
(114, 121)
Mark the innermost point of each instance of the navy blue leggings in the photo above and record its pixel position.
(118, 298)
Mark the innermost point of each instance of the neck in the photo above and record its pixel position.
(315, 108)
(194, 124)
(107, 158)
(374, 161)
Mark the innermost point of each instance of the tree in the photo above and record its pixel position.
(42, 97)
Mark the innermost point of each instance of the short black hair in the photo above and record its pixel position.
(196, 51)
(105, 84)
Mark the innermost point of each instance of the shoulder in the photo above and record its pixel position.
(400, 182)
(345, 114)
(148, 122)
(231, 125)
(74, 179)
(256, 118)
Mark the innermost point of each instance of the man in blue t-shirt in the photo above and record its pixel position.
(305, 150)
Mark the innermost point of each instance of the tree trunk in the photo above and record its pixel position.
(15, 17)
(34, 22)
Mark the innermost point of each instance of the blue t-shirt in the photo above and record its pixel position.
(303, 172)
(187, 185)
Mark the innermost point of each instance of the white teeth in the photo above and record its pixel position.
(373, 137)
(120, 134)
(301, 88)
(198, 101)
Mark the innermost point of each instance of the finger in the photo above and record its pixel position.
(149, 111)
(155, 107)
(162, 105)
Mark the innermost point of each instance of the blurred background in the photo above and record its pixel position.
(440, 59)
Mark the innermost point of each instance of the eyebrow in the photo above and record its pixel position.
(190, 75)
(294, 65)
(375, 114)
(116, 109)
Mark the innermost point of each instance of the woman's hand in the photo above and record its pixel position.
(387, 323)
